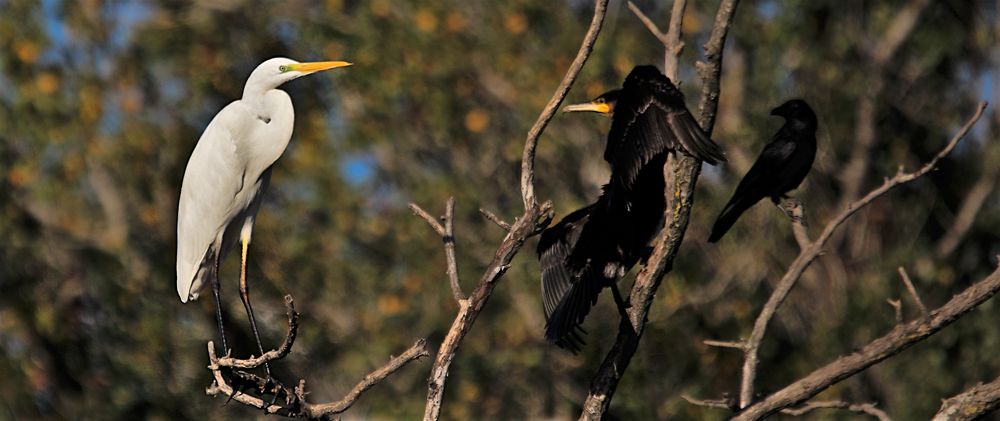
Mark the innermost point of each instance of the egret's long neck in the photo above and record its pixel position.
(257, 86)
(256, 99)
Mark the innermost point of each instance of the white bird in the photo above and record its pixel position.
(226, 176)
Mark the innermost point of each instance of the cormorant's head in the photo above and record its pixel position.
(796, 110)
(604, 104)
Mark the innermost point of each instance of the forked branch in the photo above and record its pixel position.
(230, 380)
(535, 218)
(894, 342)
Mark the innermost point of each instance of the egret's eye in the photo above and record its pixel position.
(283, 68)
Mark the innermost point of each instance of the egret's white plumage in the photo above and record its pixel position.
(230, 168)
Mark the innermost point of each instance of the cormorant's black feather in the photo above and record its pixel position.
(594, 246)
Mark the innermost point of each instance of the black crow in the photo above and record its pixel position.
(781, 166)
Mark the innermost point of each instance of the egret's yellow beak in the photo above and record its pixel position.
(594, 107)
(319, 66)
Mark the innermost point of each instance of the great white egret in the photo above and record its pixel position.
(226, 176)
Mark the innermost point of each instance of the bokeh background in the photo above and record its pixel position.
(101, 102)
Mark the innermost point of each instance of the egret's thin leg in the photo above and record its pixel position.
(245, 295)
(216, 287)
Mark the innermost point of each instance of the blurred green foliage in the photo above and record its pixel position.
(101, 103)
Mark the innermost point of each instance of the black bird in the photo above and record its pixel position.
(592, 247)
(781, 166)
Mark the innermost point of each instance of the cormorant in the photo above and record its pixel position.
(592, 247)
(780, 168)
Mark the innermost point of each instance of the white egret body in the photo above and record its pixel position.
(227, 174)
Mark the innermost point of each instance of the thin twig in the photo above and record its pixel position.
(912, 289)
(432, 221)
(449, 249)
(724, 403)
(415, 352)
(898, 339)
(858, 408)
(897, 305)
(725, 344)
(807, 255)
(667, 242)
(495, 219)
(447, 233)
(528, 156)
(653, 29)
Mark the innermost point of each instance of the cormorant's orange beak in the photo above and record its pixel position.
(594, 107)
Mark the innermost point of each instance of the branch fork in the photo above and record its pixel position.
(231, 380)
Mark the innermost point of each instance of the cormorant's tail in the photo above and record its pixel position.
(728, 217)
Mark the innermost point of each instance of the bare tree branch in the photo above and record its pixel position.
(675, 45)
(293, 402)
(725, 344)
(971, 404)
(672, 43)
(495, 219)
(274, 354)
(913, 290)
(724, 403)
(796, 213)
(532, 222)
(447, 233)
(449, 249)
(900, 338)
(535, 218)
(432, 221)
(897, 305)
(806, 257)
(858, 408)
(685, 175)
(653, 29)
(528, 157)
(321, 410)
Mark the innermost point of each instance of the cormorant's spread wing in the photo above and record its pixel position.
(554, 248)
(650, 118)
(638, 132)
(686, 130)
